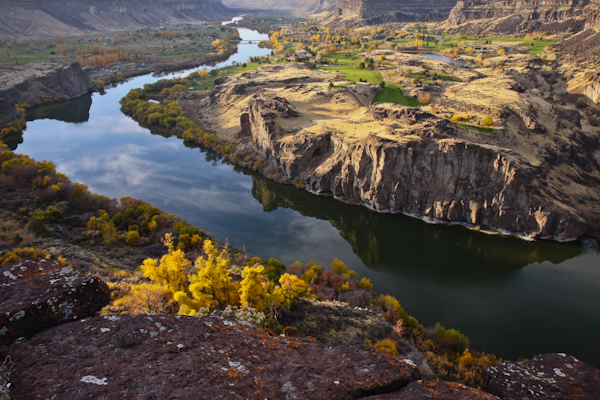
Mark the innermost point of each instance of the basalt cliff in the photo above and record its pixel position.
(50, 18)
(376, 11)
(40, 82)
(510, 17)
(536, 175)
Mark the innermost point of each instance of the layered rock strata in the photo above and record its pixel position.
(36, 295)
(510, 17)
(49, 18)
(400, 159)
(580, 62)
(377, 10)
(40, 81)
(216, 357)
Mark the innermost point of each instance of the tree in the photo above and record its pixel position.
(170, 272)
(255, 288)
(212, 286)
(64, 49)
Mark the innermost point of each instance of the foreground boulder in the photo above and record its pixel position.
(181, 357)
(39, 294)
(551, 376)
(422, 390)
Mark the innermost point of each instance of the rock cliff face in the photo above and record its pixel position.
(40, 18)
(580, 62)
(447, 179)
(393, 158)
(42, 81)
(514, 16)
(373, 10)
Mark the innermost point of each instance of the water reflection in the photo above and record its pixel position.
(393, 242)
(74, 110)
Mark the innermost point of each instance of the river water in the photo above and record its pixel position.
(509, 296)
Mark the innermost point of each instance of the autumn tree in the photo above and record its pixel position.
(64, 49)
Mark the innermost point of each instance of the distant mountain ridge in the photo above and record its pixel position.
(303, 6)
(48, 18)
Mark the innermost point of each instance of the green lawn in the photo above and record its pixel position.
(393, 94)
(355, 74)
(476, 128)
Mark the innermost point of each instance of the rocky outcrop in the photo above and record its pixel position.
(40, 82)
(49, 18)
(443, 179)
(216, 357)
(551, 376)
(509, 17)
(386, 10)
(422, 390)
(36, 295)
(393, 158)
(580, 62)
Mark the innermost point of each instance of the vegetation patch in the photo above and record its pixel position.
(393, 94)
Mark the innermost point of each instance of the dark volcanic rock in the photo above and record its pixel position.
(181, 357)
(36, 295)
(335, 323)
(551, 376)
(422, 390)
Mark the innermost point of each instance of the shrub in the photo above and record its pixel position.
(132, 237)
(37, 226)
(388, 346)
(581, 103)
(456, 118)
(487, 121)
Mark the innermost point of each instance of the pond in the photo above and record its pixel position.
(509, 296)
(447, 59)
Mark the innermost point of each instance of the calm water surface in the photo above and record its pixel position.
(511, 297)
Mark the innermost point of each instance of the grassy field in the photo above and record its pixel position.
(476, 128)
(192, 42)
(354, 74)
(393, 94)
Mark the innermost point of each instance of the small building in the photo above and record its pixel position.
(301, 53)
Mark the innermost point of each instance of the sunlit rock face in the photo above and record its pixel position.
(393, 10)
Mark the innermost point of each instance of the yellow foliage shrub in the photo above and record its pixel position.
(388, 346)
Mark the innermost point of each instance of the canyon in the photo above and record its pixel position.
(535, 176)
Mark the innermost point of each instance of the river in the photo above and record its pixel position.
(509, 296)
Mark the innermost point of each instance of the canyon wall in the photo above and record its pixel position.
(43, 81)
(48, 18)
(514, 16)
(439, 178)
(389, 9)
